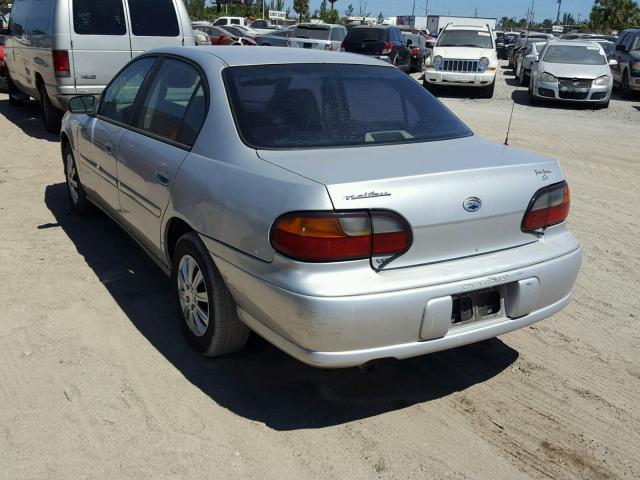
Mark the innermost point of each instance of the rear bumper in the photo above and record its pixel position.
(341, 331)
(461, 79)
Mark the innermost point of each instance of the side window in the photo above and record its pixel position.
(40, 17)
(636, 43)
(18, 18)
(119, 98)
(175, 106)
(235, 21)
(105, 17)
(153, 18)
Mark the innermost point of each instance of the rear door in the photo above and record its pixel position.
(150, 155)
(154, 23)
(100, 41)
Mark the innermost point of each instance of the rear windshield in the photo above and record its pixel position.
(153, 18)
(577, 55)
(311, 31)
(105, 17)
(465, 38)
(334, 105)
(367, 35)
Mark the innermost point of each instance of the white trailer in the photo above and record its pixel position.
(435, 23)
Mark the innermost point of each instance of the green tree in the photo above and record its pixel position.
(301, 7)
(195, 9)
(607, 15)
(547, 23)
(349, 11)
(568, 19)
(329, 16)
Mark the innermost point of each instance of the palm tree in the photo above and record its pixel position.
(615, 14)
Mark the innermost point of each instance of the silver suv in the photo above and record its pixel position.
(56, 49)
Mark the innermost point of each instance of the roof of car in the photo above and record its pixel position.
(481, 28)
(239, 56)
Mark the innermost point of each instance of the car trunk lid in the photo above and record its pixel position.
(428, 184)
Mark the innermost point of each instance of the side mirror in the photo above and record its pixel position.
(409, 42)
(620, 48)
(613, 62)
(85, 105)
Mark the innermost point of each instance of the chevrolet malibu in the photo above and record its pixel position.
(325, 201)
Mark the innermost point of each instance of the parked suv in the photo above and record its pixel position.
(465, 56)
(57, 49)
(317, 36)
(626, 74)
(383, 42)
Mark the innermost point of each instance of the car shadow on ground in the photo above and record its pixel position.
(521, 97)
(261, 383)
(28, 118)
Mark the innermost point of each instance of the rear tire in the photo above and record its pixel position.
(80, 205)
(207, 309)
(51, 116)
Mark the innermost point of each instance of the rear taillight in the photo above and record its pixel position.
(415, 52)
(549, 206)
(61, 65)
(335, 237)
(387, 49)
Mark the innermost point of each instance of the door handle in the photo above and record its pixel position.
(108, 148)
(163, 177)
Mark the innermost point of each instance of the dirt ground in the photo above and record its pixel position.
(96, 380)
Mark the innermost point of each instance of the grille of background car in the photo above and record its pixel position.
(460, 66)
(575, 82)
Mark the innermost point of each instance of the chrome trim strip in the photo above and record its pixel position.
(133, 195)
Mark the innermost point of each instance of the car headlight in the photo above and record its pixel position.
(483, 63)
(547, 77)
(635, 66)
(602, 81)
(438, 61)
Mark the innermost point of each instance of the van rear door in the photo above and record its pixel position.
(155, 23)
(100, 43)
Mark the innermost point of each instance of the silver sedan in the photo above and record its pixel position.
(325, 201)
(572, 71)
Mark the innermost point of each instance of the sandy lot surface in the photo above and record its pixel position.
(96, 380)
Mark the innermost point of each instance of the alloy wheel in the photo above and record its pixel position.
(72, 179)
(193, 296)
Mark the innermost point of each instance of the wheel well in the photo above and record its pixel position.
(39, 81)
(177, 228)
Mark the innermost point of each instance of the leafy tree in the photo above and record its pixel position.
(195, 8)
(568, 19)
(329, 16)
(607, 15)
(301, 7)
(547, 23)
(349, 11)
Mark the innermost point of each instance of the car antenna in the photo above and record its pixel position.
(506, 140)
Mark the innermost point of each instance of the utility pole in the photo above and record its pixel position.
(426, 9)
(413, 11)
(476, 14)
(559, 7)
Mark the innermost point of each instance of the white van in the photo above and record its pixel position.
(56, 49)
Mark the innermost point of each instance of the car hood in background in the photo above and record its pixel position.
(563, 70)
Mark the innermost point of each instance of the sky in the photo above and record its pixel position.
(486, 8)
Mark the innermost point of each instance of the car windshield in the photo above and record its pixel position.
(314, 32)
(301, 106)
(575, 54)
(465, 38)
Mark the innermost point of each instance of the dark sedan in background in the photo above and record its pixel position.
(383, 42)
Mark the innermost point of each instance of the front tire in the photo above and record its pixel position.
(51, 116)
(207, 309)
(488, 91)
(77, 196)
(625, 90)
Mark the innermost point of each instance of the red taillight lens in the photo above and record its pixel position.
(334, 237)
(388, 48)
(548, 207)
(415, 52)
(61, 65)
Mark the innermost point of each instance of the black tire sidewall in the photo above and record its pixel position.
(82, 206)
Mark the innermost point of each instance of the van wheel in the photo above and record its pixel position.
(207, 309)
(51, 116)
(16, 97)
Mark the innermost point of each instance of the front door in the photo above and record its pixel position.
(150, 155)
(100, 136)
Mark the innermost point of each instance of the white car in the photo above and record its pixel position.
(464, 56)
(572, 71)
